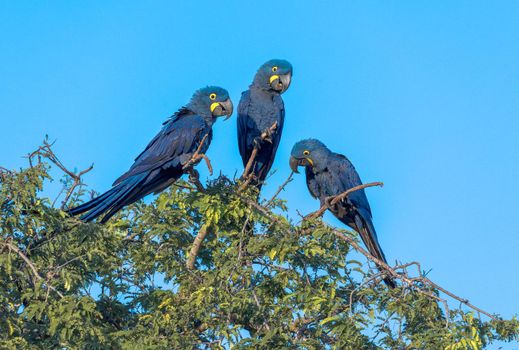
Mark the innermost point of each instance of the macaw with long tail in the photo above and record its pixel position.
(167, 157)
(330, 174)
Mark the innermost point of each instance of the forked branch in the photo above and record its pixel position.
(46, 151)
(398, 272)
(410, 281)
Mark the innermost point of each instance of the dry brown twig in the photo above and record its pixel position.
(410, 282)
(331, 201)
(254, 153)
(47, 152)
(280, 188)
(195, 248)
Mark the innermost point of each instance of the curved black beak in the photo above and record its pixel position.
(222, 108)
(294, 164)
(280, 83)
(227, 108)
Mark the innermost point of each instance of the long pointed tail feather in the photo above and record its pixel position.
(369, 237)
(90, 204)
(117, 197)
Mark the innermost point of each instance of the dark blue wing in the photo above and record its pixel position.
(346, 177)
(270, 150)
(172, 146)
(157, 167)
(245, 126)
(313, 185)
(355, 211)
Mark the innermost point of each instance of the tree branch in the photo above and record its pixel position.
(392, 272)
(47, 152)
(195, 248)
(31, 266)
(331, 201)
(280, 188)
(254, 153)
(411, 282)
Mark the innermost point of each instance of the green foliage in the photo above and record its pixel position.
(125, 285)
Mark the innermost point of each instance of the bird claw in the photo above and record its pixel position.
(208, 163)
(194, 178)
(328, 201)
(266, 135)
(195, 159)
(257, 142)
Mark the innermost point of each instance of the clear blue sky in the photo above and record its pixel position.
(421, 95)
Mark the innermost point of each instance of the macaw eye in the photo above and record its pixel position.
(212, 96)
(274, 69)
(306, 152)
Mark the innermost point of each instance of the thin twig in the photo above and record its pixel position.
(407, 280)
(183, 186)
(372, 278)
(47, 152)
(250, 162)
(259, 307)
(69, 262)
(412, 282)
(280, 188)
(261, 209)
(242, 235)
(331, 201)
(31, 266)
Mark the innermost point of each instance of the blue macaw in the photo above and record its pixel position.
(167, 157)
(260, 108)
(330, 174)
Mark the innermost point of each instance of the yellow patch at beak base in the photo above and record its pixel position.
(310, 161)
(274, 77)
(213, 106)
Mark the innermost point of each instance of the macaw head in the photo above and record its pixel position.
(308, 153)
(274, 75)
(211, 101)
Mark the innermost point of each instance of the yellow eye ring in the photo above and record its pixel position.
(306, 152)
(212, 96)
(274, 69)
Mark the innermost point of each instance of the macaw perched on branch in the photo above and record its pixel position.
(180, 144)
(261, 115)
(330, 174)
